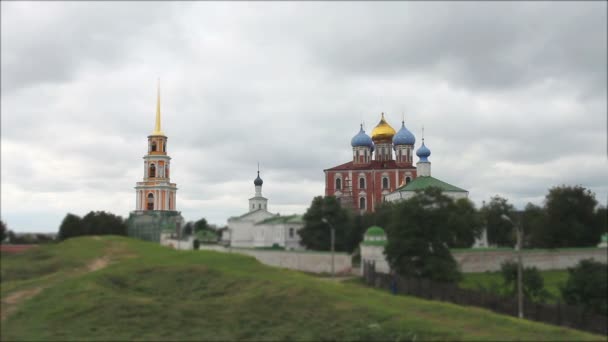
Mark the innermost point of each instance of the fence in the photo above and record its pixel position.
(559, 314)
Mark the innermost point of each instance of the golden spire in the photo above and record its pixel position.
(157, 130)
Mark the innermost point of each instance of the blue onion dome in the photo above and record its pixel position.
(404, 136)
(362, 139)
(423, 152)
(258, 181)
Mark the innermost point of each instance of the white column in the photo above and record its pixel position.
(167, 194)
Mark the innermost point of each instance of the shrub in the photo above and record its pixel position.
(587, 286)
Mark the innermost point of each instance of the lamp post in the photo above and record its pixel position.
(518, 232)
(333, 240)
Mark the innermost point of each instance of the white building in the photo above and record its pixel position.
(261, 228)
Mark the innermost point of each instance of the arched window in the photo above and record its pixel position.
(150, 201)
(152, 172)
(338, 183)
(259, 206)
(384, 182)
(361, 183)
(362, 203)
(291, 232)
(165, 146)
(407, 180)
(154, 146)
(253, 206)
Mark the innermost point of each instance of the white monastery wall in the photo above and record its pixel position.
(307, 261)
(482, 261)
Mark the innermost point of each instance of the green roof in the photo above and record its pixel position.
(374, 231)
(424, 182)
(282, 219)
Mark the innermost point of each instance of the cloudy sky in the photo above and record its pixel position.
(512, 97)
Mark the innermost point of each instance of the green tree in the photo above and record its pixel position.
(534, 219)
(500, 232)
(421, 230)
(3, 231)
(533, 282)
(571, 220)
(201, 225)
(188, 228)
(316, 233)
(102, 223)
(587, 286)
(71, 226)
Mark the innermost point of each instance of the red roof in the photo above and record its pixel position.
(374, 165)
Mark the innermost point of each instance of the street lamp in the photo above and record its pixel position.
(518, 232)
(333, 239)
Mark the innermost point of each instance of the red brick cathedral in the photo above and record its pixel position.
(374, 172)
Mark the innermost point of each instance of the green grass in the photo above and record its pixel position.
(153, 293)
(552, 280)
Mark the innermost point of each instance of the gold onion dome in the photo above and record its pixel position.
(383, 131)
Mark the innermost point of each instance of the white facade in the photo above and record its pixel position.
(261, 228)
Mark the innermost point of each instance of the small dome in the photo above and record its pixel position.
(374, 231)
(383, 131)
(423, 152)
(404, 136)
(258, 181)
(362, 139)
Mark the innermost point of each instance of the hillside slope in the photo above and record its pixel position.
(114, 288)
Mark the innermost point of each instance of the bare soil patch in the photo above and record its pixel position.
(12, 301)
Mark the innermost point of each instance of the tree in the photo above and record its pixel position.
(500, 232)
(71, 226)
(421, 230)
(93, 223)
(316, 234)
(532, 281)
(571, 220)
(3, 231)
(201, 225)
(102, 223)
(587, 286)
(188, 229)
(534, 219)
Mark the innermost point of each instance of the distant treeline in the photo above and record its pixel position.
(93, 223)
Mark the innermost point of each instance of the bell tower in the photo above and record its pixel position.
(156, 192)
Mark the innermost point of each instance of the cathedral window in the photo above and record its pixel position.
(152, 173)
(384, 182)
(165, 146)
(361, 183)
(150, 201)
(362, 203)
(154, 146)
(338, 183)
(291, 232)
(407, 180)
(259, 206)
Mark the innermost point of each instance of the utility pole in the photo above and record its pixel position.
(520, 297)
(333, 241)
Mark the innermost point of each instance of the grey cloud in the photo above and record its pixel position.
(518, 83)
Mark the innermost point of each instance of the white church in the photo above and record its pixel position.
(259, 228)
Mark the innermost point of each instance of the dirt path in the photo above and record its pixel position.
(11, 303)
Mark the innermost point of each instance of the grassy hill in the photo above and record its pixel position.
(113, 288)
